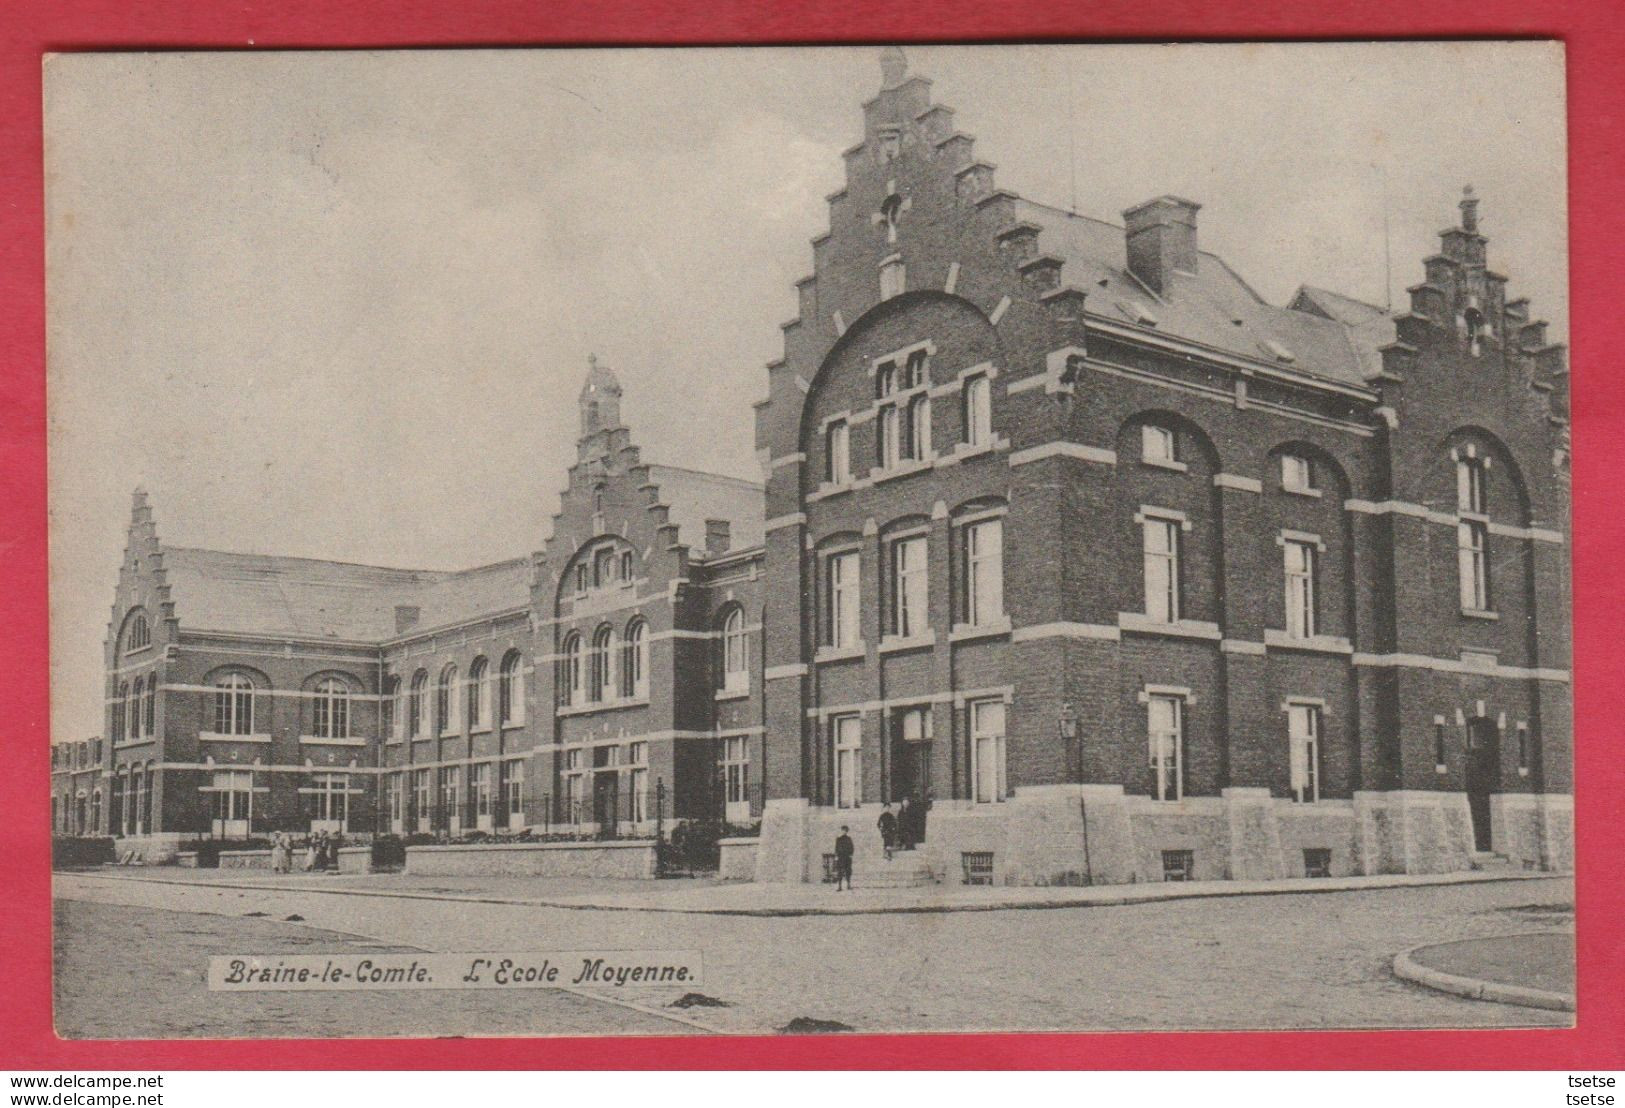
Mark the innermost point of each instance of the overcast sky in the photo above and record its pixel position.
(339, 305)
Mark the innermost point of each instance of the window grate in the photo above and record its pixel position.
(1178, 865)
(1317, 861)
(829, 869)
(978, 866)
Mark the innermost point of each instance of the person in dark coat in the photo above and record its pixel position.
(905, 825)
(843, 859)
(888, 830)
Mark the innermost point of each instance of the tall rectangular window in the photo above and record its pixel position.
(988, 750)
(1166, 729)
(847, 732)
(451, 797)
(978, 410)
(233, 796)
(1471, 494)
(395, 802)
(1300, 588)
(1303, 735)
(1296, 473)
(331, 802)
(984, 572)
(843, 599)
(1157, 444)
(1161, 544)
(575, 777)
(889, 437)
(917, 428)
(482, 794)
(233, 705)
(838, 453)
(513, 792)
(1473, 562)
(909, 577)
(423, 798)
(637, 756)
(736, 769)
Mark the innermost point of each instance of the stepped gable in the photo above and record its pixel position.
(693, 497)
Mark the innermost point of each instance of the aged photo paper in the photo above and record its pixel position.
(750, 541)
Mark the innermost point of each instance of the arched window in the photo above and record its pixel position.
(149, 707)
(917, 429)
(132, 708)
(414, 703)
(735, 667)
(140, 633)
(479, 694)
(332, 719)
(445, 701)
(599, 685)
(389, 718)
(95, 812)
(603, 568)
(121, 726)
(570, 669)
(233, 705)
(511, 688)
(635, 660)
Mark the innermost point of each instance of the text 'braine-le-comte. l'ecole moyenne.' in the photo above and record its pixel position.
(1088, 562)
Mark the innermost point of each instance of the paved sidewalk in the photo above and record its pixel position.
(1535, 969)
(709, 897)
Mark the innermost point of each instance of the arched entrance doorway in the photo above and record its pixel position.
(1483, 775)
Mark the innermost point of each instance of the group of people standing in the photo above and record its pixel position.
(902, 829)
(321, 851)
(899, 830)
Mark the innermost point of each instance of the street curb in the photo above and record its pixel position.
(1143, 894)
(1408, 969)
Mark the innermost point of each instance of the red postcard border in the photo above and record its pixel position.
(1596, 52)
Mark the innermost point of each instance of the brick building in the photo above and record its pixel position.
(1111, 569)
(1118, 572)
(608, 679)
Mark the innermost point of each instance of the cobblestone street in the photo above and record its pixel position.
(1306, 961)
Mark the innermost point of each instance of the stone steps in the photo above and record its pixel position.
(907, 870)
(1489, 860)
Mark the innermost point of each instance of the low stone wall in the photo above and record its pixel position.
(737, 859)
(355, 859)
(245, 859)
(634, 859)
(157, 849)
(186, 859)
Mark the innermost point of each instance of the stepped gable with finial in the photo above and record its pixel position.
(1036, 270)
(611, 478)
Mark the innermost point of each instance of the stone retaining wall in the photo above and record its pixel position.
(1065, 834)
(737, 859)
(588, 859)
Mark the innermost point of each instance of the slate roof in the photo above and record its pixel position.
(271, 595)
(268, 594)
(695, 497)
(1214, 306)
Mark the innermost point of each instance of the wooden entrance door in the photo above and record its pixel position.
(1483, 775)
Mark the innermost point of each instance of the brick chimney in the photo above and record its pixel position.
(406, 615)
(1161, 236)
(718, 536)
